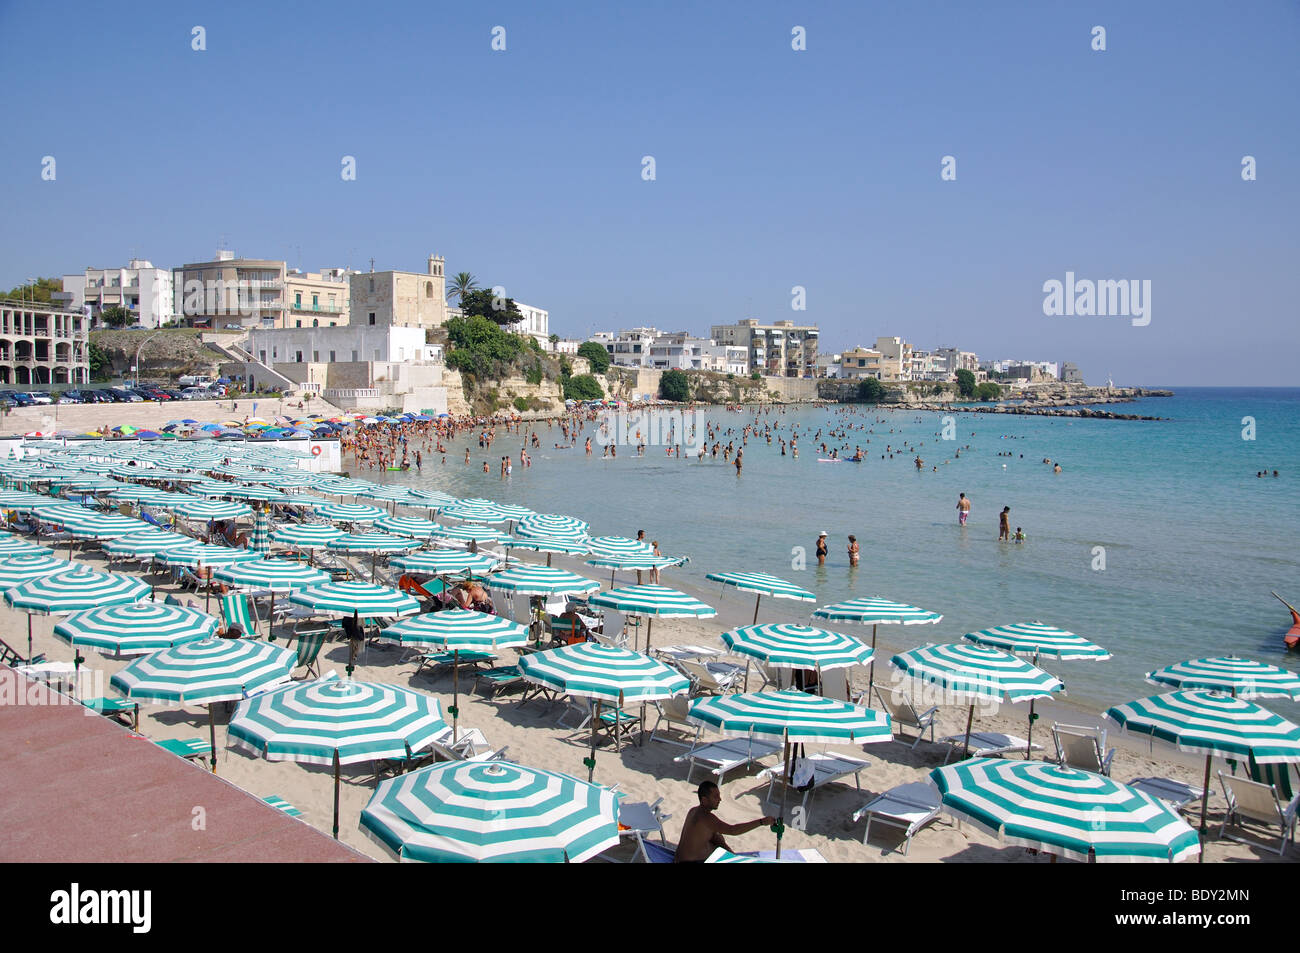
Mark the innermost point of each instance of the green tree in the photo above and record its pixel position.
(870, 390)
(115, 316)
(675, 385)
(965, 383)
(462, 283)
(478, 334)
(483, 302)
(100, 366)
(582, 387)
(554, 339)
(756, 376)
(988, 391)
(40, 291)
(596, 354)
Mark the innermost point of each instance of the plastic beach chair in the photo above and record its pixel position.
(638, 820)
(827, 769)
(986, 744)
(907, 806)
(674, 715)
(309, 646)
(281, 804)
(191, 749)
(719, 757)
(235, 610)
(903, 714)
(1082, 748)
(119, 709)
(1251, 800)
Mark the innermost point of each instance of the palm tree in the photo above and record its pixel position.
(462, 284)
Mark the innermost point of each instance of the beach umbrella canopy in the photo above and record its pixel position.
(149, 542)
(371, 543)
(140, 494)
(486, 512)
(204, 672)
(362, 513)
(1039, 640)
(444, 561)
(412, 526)
(978, 673)
(195, 554)
(259, 493)
(792, 716)
(19, 568)
(1237, 676)
(278, 575)
(212, 509)
(340, 486)
(352, 596)
(619, 546)
(336, 721)
(565, 545)
(106, 526)
(653, 601)
(761, 584)
(481, 811)
(551, 525)
(307, 535)
(542, 581)
(80, 588)
(786, 645)
(1075, 814)
(457, 629)
(260, 541)
(877, 612)
(136, 629)
(284, 480)
(482, 535)
(16, 546)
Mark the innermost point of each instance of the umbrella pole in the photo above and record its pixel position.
(756, 602)
(785, 789)
(1029, 742)
(336, 794)
(352, 644)
(871, 670)
(969, 718)
(548, 560)
(648, 623)
(270, 620)
(207, 588)
(29, 638)
(455, 695)
(591, 761)
(1205, 797)
(212, 737)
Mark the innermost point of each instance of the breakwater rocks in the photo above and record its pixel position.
(1077, 404)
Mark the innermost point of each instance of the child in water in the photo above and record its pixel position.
(1020, 535)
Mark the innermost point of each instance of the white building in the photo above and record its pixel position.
(629, 347)
(334, 345)
(564, 346)
(535, 322)
(139, 287)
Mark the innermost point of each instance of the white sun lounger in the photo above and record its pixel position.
(908, 806)
(986, 744)
(827, 769)
(719, 757)
(1174, 793)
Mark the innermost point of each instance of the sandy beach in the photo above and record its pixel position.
(648, 771)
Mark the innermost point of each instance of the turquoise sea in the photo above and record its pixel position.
(1193, 541)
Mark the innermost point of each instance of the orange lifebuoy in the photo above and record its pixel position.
(315, 451)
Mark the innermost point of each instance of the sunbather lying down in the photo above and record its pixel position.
(702, 831)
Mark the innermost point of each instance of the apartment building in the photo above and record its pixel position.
(140, 288)
(43, 344)
(317, 299)
(231, 292)
(780, 349)
(860, 362)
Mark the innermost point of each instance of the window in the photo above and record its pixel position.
(299, 357)
(297, 299)
(299, 323)
(376, 357)
(263, 356)
(315, 302)
(428, 289)
(332, 357)
(315, 357)
(372, 317)
(315, 322)
(354, 357)
(372, 285)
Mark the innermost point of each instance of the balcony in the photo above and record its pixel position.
(316, 308)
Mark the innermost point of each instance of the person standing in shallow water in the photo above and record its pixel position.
(821, 550)
(963, 508)
(853, 550)
(1004, 524)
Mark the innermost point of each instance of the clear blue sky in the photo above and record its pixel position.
(775, 168)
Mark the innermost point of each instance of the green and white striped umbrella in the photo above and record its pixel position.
(542, 581)
(653, 601)
(792, 716)
(149, 542)
(552, 525)
(761, 584)
(1037, 639)
(1075, 814)
(280, 575)
(786, 645)
(877, 612)
(260, 541)
(1237, 676)
(602, 672)
(977, 672)
(212, 510)
(361, 513)
(140, 494)
(567, 546)
(194, 554)
(136, 629)
(482, 535)
(340, 486)
(1212, 724)
(515, 511)
(233, 470)
(466, 513)
(336, 721)
(205, 672)
(353, 597)
(491, 811)
(284, 481)
(974, 673)
(17, 546)
(444, 561)
(457, 629)
(258, 493)
(24, 567)
(371, 543)
(618, 546)
(106, 526)
(412, 526)
(80, 588)
(62, 513)
(639, 561)
(306, 535)
(386, 494)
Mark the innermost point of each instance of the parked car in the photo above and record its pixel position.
(122, 396)
(194, 393)
(72, 397)
(40, 397)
